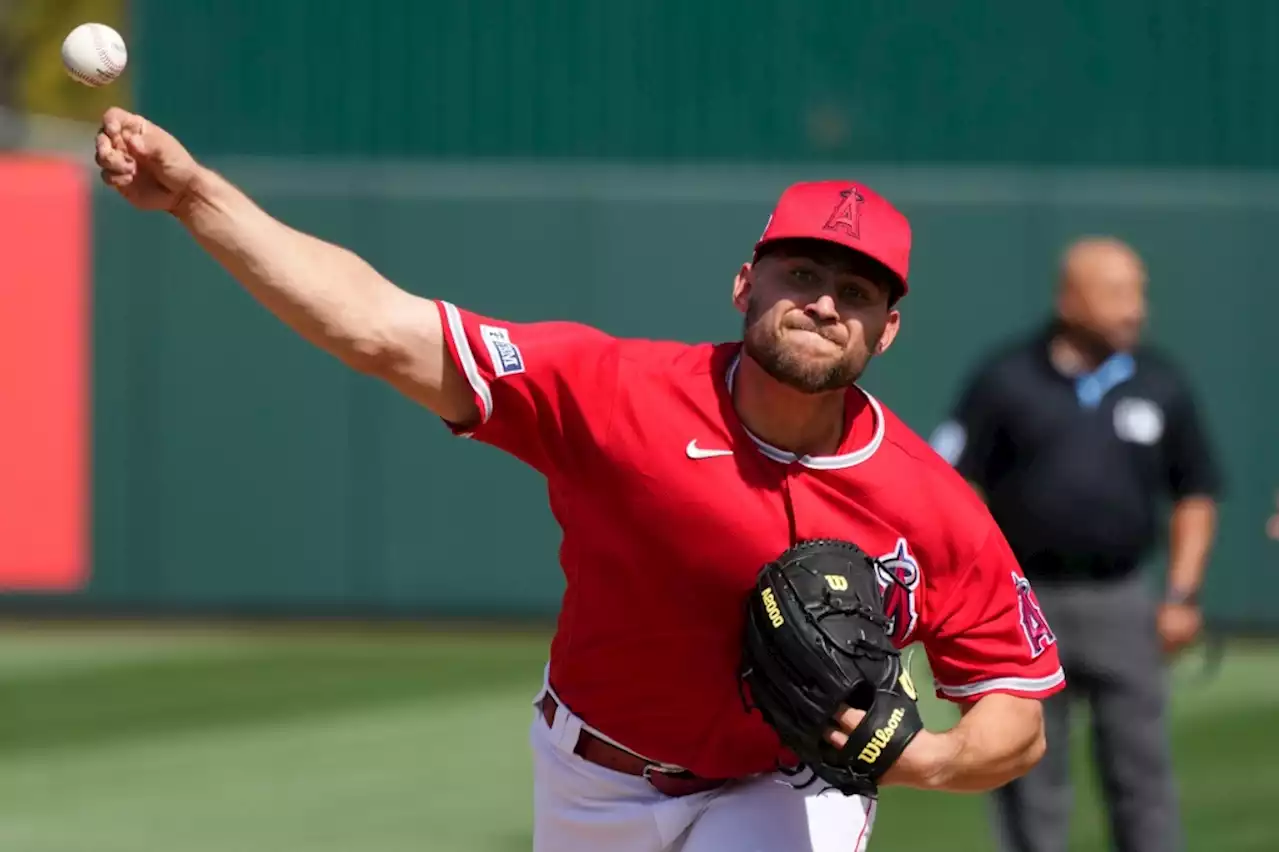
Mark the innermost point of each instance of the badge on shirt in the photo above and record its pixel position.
(1035, 627)
(503, 354)
(899, 577)
(1139, 421)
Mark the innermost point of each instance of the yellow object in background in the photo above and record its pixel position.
(31, 34)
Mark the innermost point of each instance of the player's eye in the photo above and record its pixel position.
(804, 275)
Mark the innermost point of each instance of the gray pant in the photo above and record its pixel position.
(1111, 655)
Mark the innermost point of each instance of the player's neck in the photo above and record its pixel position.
(800, 423)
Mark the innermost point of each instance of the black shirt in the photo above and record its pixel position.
(1074, 469)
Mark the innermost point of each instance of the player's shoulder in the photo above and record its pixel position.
(579, 335)
(558, 333)
(673, 360)
(919, 464)
(932, 500)
(573, 340)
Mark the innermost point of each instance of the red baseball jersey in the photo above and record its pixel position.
(669, 507)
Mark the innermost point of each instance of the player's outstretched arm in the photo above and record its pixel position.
(328, 294)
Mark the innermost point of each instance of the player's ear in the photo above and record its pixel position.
(890, 332)
(742, 288)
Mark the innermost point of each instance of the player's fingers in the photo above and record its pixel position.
(102, 148)
(116, 180)
(118, 124)
(114, 153)
(135, 141)
(117, 162)
(848, 717)
(115, 119)
(118, 173)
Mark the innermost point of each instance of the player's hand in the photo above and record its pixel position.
(1178, 624)
(924, 758)
(143, 162)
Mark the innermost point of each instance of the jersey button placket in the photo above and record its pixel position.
(794, 469)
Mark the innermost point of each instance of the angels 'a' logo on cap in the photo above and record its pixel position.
(847, 214)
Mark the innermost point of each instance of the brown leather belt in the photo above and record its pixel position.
(595, 750)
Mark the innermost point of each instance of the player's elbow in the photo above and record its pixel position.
(393, 332)
(404, 345)
(1033, 752)
(370, 354)
(365, 338)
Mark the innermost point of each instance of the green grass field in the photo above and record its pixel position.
(320, 739)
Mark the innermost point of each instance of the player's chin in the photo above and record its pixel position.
(815, 377)
(816, 386)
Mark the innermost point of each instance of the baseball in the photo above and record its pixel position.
(94, 54)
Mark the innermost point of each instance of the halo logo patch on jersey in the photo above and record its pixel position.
(503, 354)
(1139, 421)
(898, 574)
(1035, 627)
(847, 214)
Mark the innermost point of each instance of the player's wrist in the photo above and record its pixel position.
(926, 762)
(200, 192)
(948, 748)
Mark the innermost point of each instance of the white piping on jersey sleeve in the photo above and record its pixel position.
(459, 334)
(1015, 684)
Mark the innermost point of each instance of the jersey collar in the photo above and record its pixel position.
(858, 456)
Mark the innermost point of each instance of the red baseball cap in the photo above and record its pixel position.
(845, 213)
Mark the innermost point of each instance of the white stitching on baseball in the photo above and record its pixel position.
(101, 48)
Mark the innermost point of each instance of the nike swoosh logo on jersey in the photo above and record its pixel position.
(693, 451)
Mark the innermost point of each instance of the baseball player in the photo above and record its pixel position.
(676, 471)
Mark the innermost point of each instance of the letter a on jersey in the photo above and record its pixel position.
(847, 214)
(1035, 627)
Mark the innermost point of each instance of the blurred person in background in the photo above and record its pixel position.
(1075, 437)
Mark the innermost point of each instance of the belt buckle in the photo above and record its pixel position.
(654, 773)
(661, 769)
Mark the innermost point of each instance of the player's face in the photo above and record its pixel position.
(815, 315)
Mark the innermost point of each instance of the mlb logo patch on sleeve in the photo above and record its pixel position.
(503, 354)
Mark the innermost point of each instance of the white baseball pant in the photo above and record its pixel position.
(581, 807)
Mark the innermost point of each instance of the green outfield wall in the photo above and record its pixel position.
(236, 467)
(1142, 83)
